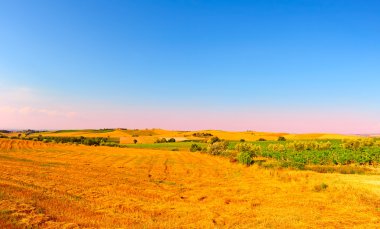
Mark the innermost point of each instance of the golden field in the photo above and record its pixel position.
(67, 186)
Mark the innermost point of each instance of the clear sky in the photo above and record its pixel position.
(269, 65)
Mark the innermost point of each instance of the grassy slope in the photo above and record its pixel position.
(62, 185)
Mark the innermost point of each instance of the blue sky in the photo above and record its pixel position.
(296, 66)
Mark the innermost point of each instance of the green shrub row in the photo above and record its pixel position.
(164, 140)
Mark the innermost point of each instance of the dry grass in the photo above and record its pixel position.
(60, 186)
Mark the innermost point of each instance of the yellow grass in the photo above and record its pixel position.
(60, 186)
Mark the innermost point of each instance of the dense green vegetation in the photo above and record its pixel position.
(98, 141)
(299, 154)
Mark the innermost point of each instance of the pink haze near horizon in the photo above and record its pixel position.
(31, 118)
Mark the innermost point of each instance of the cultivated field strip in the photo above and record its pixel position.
(57, 186)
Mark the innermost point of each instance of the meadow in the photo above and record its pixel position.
(164, 185)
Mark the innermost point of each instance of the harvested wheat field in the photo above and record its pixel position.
(57, 186)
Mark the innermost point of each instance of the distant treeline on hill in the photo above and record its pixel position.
(26, 132)
(202, 135)
(98, 141)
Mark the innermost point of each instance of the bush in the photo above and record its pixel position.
(262, 140)
(134, 141)
(244, 158)
(217, 148)
(320, 187)
(213, 140)
(242, 140)
(246, 152)
(171, 140)
(195, 148)
(252, 150)
(281, 138)
(161, 140)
